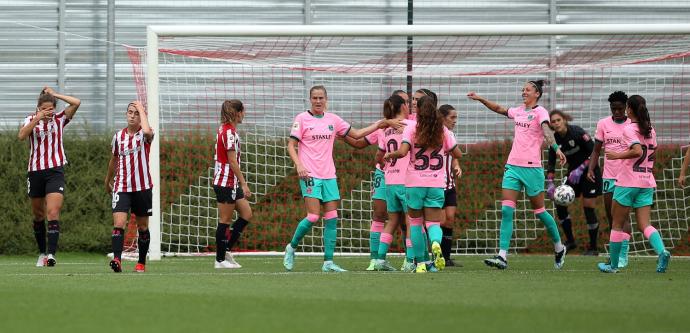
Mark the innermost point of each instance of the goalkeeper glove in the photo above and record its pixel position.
(550, 188)
(575, 175)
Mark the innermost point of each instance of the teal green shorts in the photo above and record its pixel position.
(396, 200)
(378, 191)
(634, 197)
(531, 179)
(323, 189)
(425, 197)
(609, 185)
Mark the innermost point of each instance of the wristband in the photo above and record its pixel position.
(555, 147)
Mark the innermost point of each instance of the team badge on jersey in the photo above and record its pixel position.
(330, 128)
(295, 126)
(530, 117)
(571, 143)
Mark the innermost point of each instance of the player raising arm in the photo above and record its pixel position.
(46, 176)
(131, 188)
(684, 168)
(394, 107)
(314, 132)
(378, 191)
(524, 168)
(427, 142)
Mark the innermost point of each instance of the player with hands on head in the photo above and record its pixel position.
(131, 186)
(45, 173)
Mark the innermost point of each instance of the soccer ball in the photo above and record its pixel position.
(564, 195)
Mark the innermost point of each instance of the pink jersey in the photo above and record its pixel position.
(132, 168)
(610, 135)
(316, 136)
(45, 142)
(226, 139)
(373, 139)
(412, 116)
(425, 168)
(529, 136)
(638, 172)
(395, 169)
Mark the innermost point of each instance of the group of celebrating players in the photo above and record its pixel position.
(414, 181)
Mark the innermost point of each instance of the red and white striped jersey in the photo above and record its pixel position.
(450, 178)
(448, 167)
(45, 142)
(132, 169)
(226, 139)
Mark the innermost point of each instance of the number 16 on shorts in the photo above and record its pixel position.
(116, 198)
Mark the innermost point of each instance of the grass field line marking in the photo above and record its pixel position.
(61, 263)
(191, 274)
(447, 272)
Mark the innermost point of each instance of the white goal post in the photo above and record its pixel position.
(553, 31)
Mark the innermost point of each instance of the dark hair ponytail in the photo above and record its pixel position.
(429, 93)
(539, 85)
(230, 109)
(46, 97)
(429, 124)
(392, 106)
(445, 109)
(638, 105)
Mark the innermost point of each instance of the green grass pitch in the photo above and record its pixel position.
(81, 294)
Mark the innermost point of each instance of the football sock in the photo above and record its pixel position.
(221, 241)
(330, 234)
(506, 233)
(236, 231)
(654, 239)
(447, 241)
(385, 242)
(374, 237)
(592, 227)
(53, 236)
(550, 224)
(143, 242)
(418, 238)
(118, 242)
(40, 235)
(303, 228)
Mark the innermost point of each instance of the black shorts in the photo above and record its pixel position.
(587, 188)
(228, 194)
(39, 183)
(139, 202)
(451, 198)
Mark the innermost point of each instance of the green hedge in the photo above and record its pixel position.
(86, 218)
